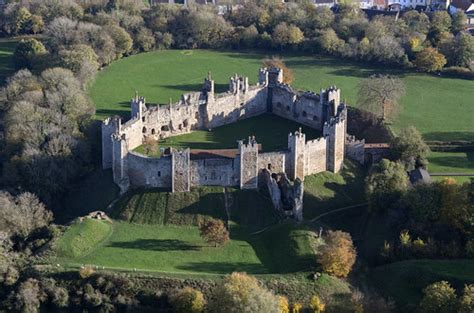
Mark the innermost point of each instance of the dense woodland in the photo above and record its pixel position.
(50, 138)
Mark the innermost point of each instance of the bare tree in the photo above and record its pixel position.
(380, 94)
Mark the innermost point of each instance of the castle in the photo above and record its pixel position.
(179, 170)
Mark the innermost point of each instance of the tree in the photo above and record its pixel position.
(440, 21)
(466, 302)
(286, 35)
(144, 40)
(35, 24)
(276, 62)
(22, 215)
(21, 20)
(214, 232)
(380, 94)
(410, 148)
(417, 22)
(459, 21)
(240, 293)
(338, 255)
(27, 298)
(439, 297)
(456, 209)
(122, 40)
(188, 300)
(463, 50)
(28, 52)
(385, 183)
(330, 42)
(430, 60)
(323, 17)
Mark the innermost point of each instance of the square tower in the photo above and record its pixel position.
(248, 164)
(180, 170)
(296, 162)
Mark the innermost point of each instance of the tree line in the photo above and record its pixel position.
(414, 39)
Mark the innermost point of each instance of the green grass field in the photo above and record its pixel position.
(7, 46)
(452, 162)
(179, 249)
(441, 108)
(271, 132)
(404, 281)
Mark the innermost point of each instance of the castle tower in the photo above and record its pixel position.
(138, 106)
(334, 100)
(119, 153)
(263, 77)
(335, 133)
(275, 76)
(180, 170)
(209, 86)
(296, 162)
(110, 126)
(248, 164)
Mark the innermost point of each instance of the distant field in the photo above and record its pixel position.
(404, 281)
(270, 131)
(7, 46)
(452, 162)
(441, 108)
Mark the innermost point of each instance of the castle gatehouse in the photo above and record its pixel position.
(179, 170)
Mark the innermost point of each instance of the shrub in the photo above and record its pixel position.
(214, 232)
(439, 297)
(466, 302)
(297, 308)
(317, 305)
(240, 292)
(283, 305)
(86, 272)
(338, 255)
(188, 300)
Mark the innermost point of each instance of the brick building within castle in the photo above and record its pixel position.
(182, 169)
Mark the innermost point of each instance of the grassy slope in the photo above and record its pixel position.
(452, 162)
(270, 130)
(405, 280)
(439, 107)
(82, 237)
(7, 46)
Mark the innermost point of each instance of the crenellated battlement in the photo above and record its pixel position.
(205, 110)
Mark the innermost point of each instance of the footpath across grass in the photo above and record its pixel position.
(440, 107)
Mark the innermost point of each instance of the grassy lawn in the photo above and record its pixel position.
(180, 249)
(271, 132)
(7, 46)
(404, 281)
(439, 107)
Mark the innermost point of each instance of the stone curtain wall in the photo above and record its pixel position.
(214, 172)
(149, 172)
(273, 161)
(316, 157)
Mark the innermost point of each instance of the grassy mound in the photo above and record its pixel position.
(427, 104)
(226, 137)
(166, 208)
(404, 281)
(82, 237)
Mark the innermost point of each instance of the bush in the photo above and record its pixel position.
(240, 292)
(283, 305)
(466, 302)
(338, 255)
(439, 297)
(86, 272)
(317, 305)
(188, 300)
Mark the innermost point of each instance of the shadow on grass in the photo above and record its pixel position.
(449, 136)
(187, 88)
(155, 245)
(224, 268)
(455, 162)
